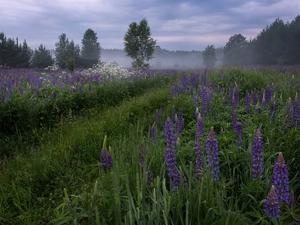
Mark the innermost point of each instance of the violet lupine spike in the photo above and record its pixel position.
(256, 109)
(254, 98)
(257, 156)
(157, 116)
(105, 158)
(236, 98)
(180, 121)
(198, 148)
(212, 154)
(239, 130)
(272, 204)
(263, 103)
(153, 133)
(280, 179)
(268, 94)
(170, 156)
(204, 101)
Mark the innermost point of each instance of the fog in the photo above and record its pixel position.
(163, 59)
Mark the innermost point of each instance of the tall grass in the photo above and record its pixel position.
(60, 180)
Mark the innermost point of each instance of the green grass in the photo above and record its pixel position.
(58, 179)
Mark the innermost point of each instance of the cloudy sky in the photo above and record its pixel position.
(176, 25)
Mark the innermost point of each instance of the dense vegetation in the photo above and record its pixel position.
(93, 148)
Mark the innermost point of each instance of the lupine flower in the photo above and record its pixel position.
(157, 116)
(153, 133)
(105, 157)
(198, 148)
(179, 121)
(256, 109)
(272, 204)
(257, 156)
(254, 98)
(268, 93)
(280, 179)
(239, 130)
(212, 154)
(170, 156)
(263, 103)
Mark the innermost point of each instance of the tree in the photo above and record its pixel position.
(234, 50)
(209, 56)
(42, 57)
(90, 52)
(139, 45)
(65, 50)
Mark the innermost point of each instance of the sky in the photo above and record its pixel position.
(175, 25)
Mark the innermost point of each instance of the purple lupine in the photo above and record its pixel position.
(257, 156)
(280, 179)
(234, 118)
(235, 96)
(179, 122)
(105, 157)
(247, 102)
(268, 94)
(198, 148)
(153, 133)
(212, 154)
(204, 100)
(272, 204)
(157, 116)
(239, 130)
(254, 98)
(170, 156)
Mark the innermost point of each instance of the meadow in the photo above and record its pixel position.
(113, 146)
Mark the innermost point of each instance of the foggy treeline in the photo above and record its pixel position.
(277, 44)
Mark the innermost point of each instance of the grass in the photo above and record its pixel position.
(59, 179)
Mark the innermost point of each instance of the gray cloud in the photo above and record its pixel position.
(176, 25)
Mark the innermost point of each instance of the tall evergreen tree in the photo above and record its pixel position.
(90, 52)
(209, 56)
(64, 50)
(138, 44)
(234, 50)
(42, 57)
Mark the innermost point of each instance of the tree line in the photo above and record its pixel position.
(67, 53)
(278, 43)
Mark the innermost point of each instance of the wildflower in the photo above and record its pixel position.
(292, 82)
(257, 160)
(239, 130)
(170, 156)
(179, 122)
(105, 157)
(280, 179)
(198, 148)
(234, 118)
(212, 154)
(272, 204)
